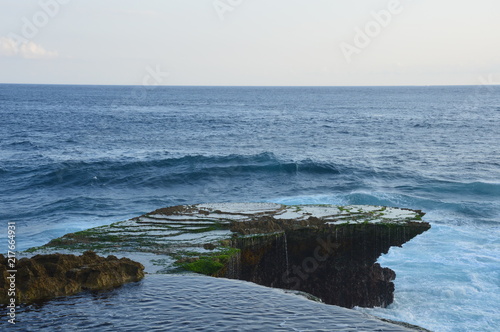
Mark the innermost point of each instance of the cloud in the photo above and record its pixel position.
(25, 50)
(8, 47)
(30, 50)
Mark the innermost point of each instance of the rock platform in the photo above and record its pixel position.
(328, 251)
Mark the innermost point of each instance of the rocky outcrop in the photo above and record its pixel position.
(334, 263)
(43, 277)
(326, 250)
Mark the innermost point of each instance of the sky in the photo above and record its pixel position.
(250, 42)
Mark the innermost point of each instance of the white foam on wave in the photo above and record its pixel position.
(310, 199)
(447, 279)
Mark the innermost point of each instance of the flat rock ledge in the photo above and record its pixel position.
(44, 277)
(328, 251)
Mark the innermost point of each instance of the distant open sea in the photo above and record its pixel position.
(75, 157)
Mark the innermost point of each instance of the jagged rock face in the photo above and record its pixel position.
(336, 265)
(43, 277)
(326, 250)
(332, 260)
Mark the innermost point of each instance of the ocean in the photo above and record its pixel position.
(75, 157)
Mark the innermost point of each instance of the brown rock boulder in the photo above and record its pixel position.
(43, 277)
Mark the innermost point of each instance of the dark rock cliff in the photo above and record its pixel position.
(336, 263)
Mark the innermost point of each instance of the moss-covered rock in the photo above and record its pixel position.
(44, 277)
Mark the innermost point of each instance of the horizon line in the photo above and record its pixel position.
(251, 86)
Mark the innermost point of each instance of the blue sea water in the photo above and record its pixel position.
(74, 157)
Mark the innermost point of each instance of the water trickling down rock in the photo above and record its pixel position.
(326, 250)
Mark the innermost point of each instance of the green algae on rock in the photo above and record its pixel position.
(328, 251)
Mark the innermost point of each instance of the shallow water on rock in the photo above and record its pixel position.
(192, 303)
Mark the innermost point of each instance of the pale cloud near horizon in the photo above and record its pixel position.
(25, 50)
(254, 42)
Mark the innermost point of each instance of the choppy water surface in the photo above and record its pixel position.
(74, 157)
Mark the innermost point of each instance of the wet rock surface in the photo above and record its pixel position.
(326, 250)
(44, 277)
